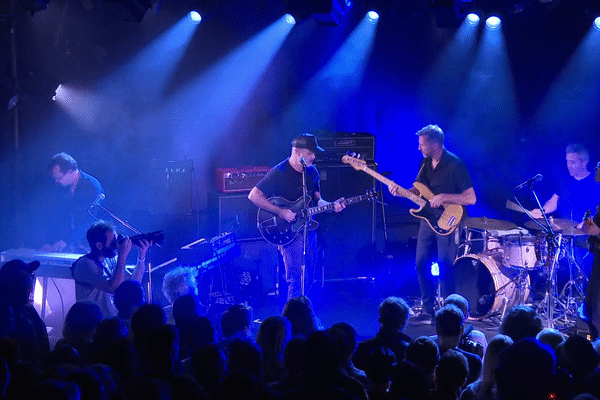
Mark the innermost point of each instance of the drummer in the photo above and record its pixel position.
(574, 195)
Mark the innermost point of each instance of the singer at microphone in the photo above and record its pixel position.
(68, 217)
(280, 195)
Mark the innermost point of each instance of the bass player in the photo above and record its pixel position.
(448, 179)
(285, 180)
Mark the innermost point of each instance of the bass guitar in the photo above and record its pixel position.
(277, 230)
(443, 219)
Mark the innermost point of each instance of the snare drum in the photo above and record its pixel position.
(519, 251)
(488, 285)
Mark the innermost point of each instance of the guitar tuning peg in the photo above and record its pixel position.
(359, 156)
(353, 154)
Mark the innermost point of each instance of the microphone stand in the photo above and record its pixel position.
(556, 241)
(305, 229)
(134, 230)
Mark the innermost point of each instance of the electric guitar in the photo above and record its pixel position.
(443, 219)
(277, 230)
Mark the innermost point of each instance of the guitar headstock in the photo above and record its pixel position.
(354, 160)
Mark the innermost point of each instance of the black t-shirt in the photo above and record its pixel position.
(71, 219)
(449, 176)
(575, 197)
(284, 181)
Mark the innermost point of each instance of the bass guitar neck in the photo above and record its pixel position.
(443, 219)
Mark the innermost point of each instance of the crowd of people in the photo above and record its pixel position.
(137, 354)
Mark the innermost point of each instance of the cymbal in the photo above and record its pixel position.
(557, 224)
(489, 224)
(573, 232)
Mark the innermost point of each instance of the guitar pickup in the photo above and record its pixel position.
(268, 223)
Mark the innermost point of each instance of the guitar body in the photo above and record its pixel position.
(277, 230)
(444, 219)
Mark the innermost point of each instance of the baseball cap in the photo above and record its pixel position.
(307, 141)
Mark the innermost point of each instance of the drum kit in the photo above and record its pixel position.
(498, 261)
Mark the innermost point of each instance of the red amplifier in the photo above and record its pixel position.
(243, 179)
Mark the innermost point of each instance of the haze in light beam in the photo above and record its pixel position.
(318, 102)
(441, 86)
(147, 73)
(575, 96)
(486, 104)
(204, 111)
(80, 104)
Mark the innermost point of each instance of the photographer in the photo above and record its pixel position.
(98, 273)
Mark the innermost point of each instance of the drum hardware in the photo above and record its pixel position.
(488, 224)
(495, 288)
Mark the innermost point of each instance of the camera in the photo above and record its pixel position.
(156, 237)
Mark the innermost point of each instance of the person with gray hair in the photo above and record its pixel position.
(576, 193)
(178, 282)
(448, 183)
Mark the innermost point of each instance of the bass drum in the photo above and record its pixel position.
(489, 286)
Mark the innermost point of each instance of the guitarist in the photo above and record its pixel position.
(448, 179)
(285, 180)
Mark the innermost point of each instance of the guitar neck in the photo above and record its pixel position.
(329, 207)
(403, 192)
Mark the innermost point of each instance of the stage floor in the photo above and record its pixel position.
(356, 303)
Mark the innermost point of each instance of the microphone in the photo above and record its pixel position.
(530, 181)
(303, 161)
(597, 177)
(99, 199)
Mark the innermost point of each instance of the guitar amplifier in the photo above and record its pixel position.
(337, 144)
(232, 180)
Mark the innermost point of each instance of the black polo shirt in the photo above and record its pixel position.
(450, 175)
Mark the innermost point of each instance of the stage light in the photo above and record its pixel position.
(597, 23)
(57, 92)
(372, 17)
(472, 19)
(195, 17)
(493, 23)
(289, 18)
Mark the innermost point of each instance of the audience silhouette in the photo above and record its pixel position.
(138, 355)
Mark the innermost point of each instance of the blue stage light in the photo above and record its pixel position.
(472, 19)
(597, 23)
(289, 18)
(493, 23)
(194, 17)
(372, 16)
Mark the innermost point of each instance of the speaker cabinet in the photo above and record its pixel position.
(258, 259)
(235, 213)
(170, 187)
(347, 239)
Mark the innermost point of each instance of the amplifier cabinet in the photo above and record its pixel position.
(233, 212)
(346, 239)
(338, 144)
(233, 180)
